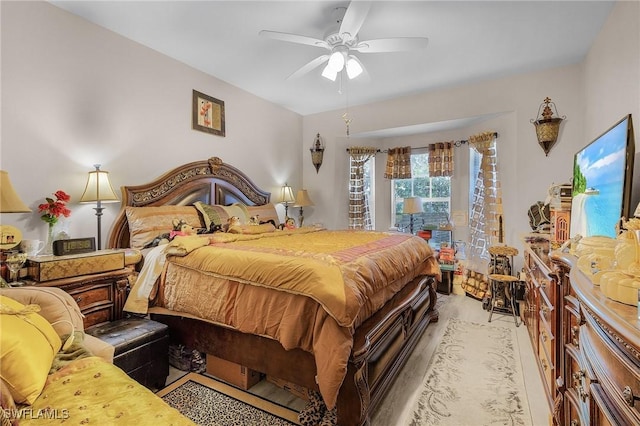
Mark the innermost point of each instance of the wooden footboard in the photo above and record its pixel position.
(382, 345)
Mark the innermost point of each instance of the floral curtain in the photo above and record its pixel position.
(398, 163)
(486, 221)
(441, 159)
(359, 213)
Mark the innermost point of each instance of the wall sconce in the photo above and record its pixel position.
(547, 126)
(286, 198)
(302, 200)
(98, 190)
(317, 150)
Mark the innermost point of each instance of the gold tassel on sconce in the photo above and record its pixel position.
(317, 151)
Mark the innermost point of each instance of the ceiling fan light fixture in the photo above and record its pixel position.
(354, 68)
(329, 73)
(336, 61)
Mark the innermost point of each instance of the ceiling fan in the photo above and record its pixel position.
(341, 41)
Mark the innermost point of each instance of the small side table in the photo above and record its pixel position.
(446, 285)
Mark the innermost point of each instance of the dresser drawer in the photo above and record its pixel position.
(577, 382)
(100, 297)
(97, 315)
(574, 416)
(618, 383)
(546, 364)
(546, 315)
(92, 295)
(573, 321)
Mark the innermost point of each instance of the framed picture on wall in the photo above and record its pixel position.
(208, 114)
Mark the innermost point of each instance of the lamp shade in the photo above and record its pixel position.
(302, 199)
(98, 188)
(286, 194)
(637, 212)
(412, 205)
(10, 202)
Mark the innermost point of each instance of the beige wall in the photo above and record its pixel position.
(612, 72)
(593, 95)
(74, 94)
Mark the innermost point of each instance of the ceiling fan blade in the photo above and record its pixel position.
(309, 66)
(396, 44)
(295, 38)
(354, 18)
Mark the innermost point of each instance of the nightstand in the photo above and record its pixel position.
(98, 281)
(100, 296)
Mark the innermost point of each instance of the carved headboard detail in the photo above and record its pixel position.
(210, 181)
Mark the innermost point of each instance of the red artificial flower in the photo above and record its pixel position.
(53, 209)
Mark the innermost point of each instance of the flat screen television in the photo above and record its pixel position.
(602, 178)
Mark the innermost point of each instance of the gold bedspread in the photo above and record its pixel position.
(328, 283)
(91, 391)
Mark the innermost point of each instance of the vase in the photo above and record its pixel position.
(48, 246)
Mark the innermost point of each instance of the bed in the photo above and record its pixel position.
(350, 352)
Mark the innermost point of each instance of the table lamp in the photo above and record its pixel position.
(302, 200)
(10, 202)
(411, 206)
(98, 190)
(286, 198)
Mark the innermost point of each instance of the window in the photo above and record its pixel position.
(434, 191)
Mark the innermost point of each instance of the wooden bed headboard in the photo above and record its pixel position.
(210, 181)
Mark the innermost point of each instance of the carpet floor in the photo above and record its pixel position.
(401, 402)
(473, 378)
(397, 406)
(209, 402)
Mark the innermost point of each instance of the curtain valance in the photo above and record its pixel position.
(398, 163)
(441, 159)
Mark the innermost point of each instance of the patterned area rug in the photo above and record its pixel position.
(209, 402)
(474, 378)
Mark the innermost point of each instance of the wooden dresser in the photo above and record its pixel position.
(602, 354)
(542, 314)
(587, 345)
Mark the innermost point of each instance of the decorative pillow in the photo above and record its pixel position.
(237, 210)
(28, 344)
(209, 214)
(57, 306)
(265, 212)
(146, 223)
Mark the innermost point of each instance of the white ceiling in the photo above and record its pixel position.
(469, 41)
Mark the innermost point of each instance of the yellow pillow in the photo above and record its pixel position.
(146, 223)
(265, 212)
(28, 344)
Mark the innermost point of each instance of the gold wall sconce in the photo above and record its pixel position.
(317, 151)
(547, 126)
